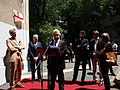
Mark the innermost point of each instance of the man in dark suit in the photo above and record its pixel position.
(56, 63)
(81, 49)
(35, 57)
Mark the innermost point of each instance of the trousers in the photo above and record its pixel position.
(15, 71)
(76, 68)
(94, 63)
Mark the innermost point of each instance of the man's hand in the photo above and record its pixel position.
(18, 47)
(100, 52)
(35, 58)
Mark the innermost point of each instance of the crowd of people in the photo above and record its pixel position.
(84, 51)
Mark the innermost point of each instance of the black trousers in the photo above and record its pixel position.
(76, 68)
(33, 70)
(111, 69)
(53, 73)
(104, 69)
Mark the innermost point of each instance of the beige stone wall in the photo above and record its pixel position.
(6, 23)
(6, 10)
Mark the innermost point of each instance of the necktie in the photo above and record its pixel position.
(35, 45)
(55, 43)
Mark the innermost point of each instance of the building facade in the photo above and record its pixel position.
(6, 23)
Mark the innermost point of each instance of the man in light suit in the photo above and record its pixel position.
(35, 57)
(94, 57)
(15, 58)
(56, 63)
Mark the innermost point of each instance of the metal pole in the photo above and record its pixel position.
(42, 67)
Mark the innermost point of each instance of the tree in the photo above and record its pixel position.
(75, 15)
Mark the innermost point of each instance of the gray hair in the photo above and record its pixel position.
(35, 35)
(11, 31)
(56, 31)
(106, 35)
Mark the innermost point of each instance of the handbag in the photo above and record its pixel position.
(111, 59)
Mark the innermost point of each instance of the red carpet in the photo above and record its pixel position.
(68, 85)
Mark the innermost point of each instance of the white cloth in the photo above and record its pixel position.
(95, 44)
(56, 43)
(35, 44)
(115, 47)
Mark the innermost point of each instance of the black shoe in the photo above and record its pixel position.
(39, 80)
(73, 82)
(51, 88)
(32, 81)
(117, 82)
(82, 83)
(101, 83)
(20, 86)
(89, 68)
(98, 73)
(113, 74)
(94, 81)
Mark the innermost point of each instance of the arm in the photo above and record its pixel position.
(21, 45)
(30, 51)
(87, 47)
(65, 48)
(10, 46)
(39, 46)
(107, 48)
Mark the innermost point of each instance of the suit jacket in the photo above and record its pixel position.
(80, 48)
(107, 48)
(92, 43)
(13, 52)
(58, 62)
(33, 50)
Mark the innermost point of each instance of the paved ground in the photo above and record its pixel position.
(69, 73)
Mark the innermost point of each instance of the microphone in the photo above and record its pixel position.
(51, 42)
(52, 39)
(48, 46)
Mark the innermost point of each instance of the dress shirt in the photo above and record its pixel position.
(95, 44)
(56, 42)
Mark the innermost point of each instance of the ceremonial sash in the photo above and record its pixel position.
(14, 42)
